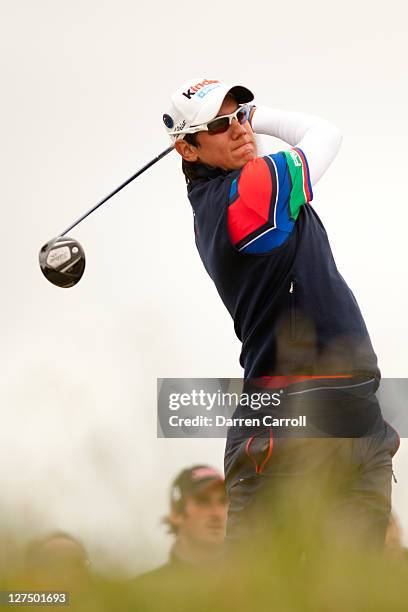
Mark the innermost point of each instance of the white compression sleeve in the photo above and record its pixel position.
(319, 139)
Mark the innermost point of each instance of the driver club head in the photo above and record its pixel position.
(62, 261)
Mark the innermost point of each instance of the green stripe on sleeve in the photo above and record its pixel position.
(296, 171)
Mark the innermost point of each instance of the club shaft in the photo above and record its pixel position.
(129, 180)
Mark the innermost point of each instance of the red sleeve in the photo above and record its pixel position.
(252, 204)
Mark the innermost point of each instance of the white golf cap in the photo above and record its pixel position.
(198, 101)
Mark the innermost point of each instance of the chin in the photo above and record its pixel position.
(246, 159)
(248, 156)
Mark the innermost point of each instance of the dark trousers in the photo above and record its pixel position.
(310, 490)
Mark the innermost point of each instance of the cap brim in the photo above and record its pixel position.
(241, 94)
(214, 102)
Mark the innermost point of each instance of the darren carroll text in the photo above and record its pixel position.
(222, 421)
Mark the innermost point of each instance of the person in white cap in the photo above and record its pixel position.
(301, 329)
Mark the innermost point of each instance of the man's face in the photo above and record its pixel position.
(204, 517)
(230, 150)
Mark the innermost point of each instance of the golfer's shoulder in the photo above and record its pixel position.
(255, 182)
(269, 168)
(255, 172)
(209, 191)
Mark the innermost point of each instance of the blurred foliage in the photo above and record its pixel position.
(272, 575)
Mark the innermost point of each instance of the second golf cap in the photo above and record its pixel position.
(192, 481)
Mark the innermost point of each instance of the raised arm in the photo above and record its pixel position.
(319, 139)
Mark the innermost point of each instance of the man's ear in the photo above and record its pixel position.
(176, 518)
(187, 151)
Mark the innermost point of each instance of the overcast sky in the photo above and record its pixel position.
(84, 85)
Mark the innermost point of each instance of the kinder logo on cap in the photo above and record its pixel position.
(199, 87)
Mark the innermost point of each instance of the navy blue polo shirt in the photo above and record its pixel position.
(268, 254)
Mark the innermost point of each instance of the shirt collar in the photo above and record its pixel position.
(203, 172)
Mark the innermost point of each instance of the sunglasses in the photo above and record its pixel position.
(221, 124)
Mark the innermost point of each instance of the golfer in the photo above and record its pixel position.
(302, 332)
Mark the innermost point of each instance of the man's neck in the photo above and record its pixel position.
(195, 553)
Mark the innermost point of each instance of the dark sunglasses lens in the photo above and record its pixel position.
(218, 126)
(242, 115)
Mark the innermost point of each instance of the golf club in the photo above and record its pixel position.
(62, 259)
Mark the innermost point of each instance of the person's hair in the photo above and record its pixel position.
(35, 554)
(190, 168)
